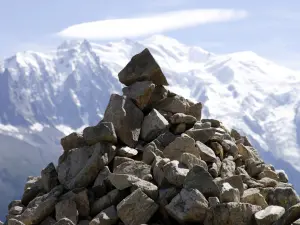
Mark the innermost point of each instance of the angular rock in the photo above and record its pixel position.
(254, 197)
(108, 216)
(14, 203)
(14, 222)
(175, 173)
(126, 118)
(81, 166)
(179, 118)
(48, 221)
(230, 147)
(41, 207)
(33, 188)
(126, 152)
(227, 168)
(150, 152)
(283, 196)
(213, 201)
(102, 184)
(66, 209)
(282, 176)
(218, 149)
(235, 181)
(180, 145)
(206, 153)
(200, 125)
(180, 128)
(269, 174)
(290, 216)
(191, 160)
(269, 215)
(215, 168)
(247, 152)
(165, 195)
(232, 213)
(195, 110)
(73, 140)
(64, 221)
(119, 160)
(202, 135)
(153, 125)
(188, 206)
(214, 123)
(142, 67)
(268, 182)
(112, 198)
(49, 177)
(136, 209)
(195, 178)
(158, 171)
(254, 167)
(165, 139)
(229, 194)
(16, 210)
(102, 132)
(173, 104)
(136, 168)
(140, 93)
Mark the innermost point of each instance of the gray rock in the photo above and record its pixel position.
(269, 215)
(213, 201)
(179, 118)
(165, 195)
(126, 152)
(290, 216)
(175, 173)
(41, 207)
(153, 125)
(112, 198)
(108, 216)
(158, 171)
(14, 222)
(188, 206)
(180, 128)
(247, 152)
(14, 203)
(235, 181)
(215, 168)
(200, 125)
(191, 160)
(268, 182)
(136, 168)
(64, 221)
(16, 210)
(195, 178)
(214, 123)
(142, 67)
(230, 147)
(173, 104)
(269, 174)
(119, 160)
(66, 209)
(282, 176)
(33, 188)
(229, 194)
(232, 213)
(140, 93)
(73, 140)
(227, 168)
(81, 166)
(180, 145)
(49, 177)
(126, 118)
(195, 110)
(253, 196)
(218, 149)
(159, 93)
(136, 209)
(206, 153)
(102, 132)
(150, 152)
(165, 139)
(102, 184)
(202, 135)
(283, 196)
(48, 221)
(254, 167)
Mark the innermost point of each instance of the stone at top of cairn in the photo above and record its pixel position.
(142, 67)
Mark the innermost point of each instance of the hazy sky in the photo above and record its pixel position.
(268, 27)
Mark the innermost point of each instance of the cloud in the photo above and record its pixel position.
(157, 23)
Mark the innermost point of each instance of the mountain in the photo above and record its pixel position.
(46, 95)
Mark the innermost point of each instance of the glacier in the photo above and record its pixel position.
(45, 96)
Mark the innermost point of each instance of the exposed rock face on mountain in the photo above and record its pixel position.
(152, 159)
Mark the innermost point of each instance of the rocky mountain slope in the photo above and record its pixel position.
(48, 94)
(152, 159)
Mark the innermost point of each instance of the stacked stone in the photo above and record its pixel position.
(153, 160)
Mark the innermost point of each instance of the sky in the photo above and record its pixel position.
(269, 27)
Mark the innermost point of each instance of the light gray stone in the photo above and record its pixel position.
(269, 215)
(102, 132)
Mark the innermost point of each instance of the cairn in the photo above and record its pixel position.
(153, 160)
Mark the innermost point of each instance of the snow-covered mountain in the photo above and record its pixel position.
(43, 95)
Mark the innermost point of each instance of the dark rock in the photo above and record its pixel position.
(49, 177)
(73, 140)
(102, 132)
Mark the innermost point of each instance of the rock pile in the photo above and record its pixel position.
(153, 160)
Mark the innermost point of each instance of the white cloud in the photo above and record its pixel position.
(135, 27)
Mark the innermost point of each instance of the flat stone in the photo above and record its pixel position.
(290, 216)
(202, 135)
(191, 160)
(206, 153)
(179, 118)
(229, 194)
(73, 140)
(253, 196)
(126, 152)
(136, 168)
(175, 173)
(103, 131)
(269, 215)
